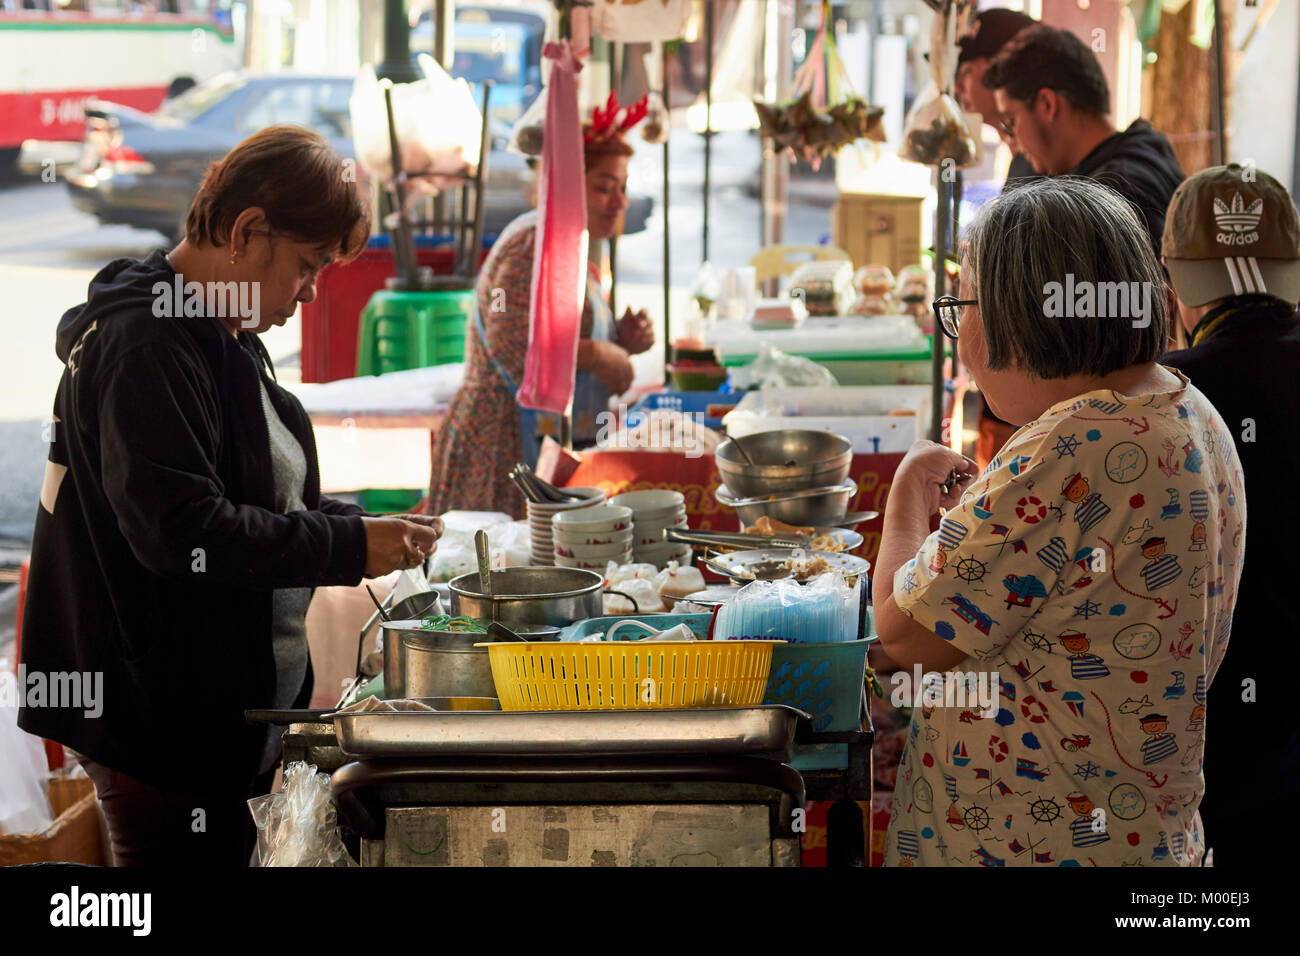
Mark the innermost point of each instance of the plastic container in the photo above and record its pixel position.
(882, 350)
(404, 330)
(698, 623)
(860, 414)
(630, 675)
(690, 403)
(827, 681)
(686, 377)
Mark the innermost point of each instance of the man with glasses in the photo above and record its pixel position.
(991, 31)
(1055, 105)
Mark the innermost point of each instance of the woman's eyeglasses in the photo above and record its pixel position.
(947, 312)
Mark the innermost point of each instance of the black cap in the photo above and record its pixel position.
(992, 29)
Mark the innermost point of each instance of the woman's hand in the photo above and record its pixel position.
(399, 541)
(925, 470)
(635, 332)
(611, 366)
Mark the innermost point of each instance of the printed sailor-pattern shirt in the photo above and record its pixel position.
(1092, 567)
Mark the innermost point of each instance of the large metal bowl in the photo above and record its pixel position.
(810, 507)
(557, 596)
(820, 459)
(429, 663)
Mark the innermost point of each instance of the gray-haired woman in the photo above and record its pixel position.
(1077, 597)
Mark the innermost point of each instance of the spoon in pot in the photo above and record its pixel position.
(383, 615)
(484, 569)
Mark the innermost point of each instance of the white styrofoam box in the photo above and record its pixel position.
(859, 413)
(846, 336)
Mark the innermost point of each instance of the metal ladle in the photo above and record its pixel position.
(484, 569)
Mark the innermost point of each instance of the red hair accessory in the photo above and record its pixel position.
(605, 124)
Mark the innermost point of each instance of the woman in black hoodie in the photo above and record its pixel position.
(181, 526)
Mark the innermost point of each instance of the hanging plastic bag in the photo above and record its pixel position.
(24, 806)
(937, 134)
(439, 127)
(526, 137)
(820, 119)
(639, 21)
(298, 826)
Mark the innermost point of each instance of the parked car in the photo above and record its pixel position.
(143, 169)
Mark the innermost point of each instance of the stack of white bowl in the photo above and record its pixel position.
(590, 538)
(539, 521)
(652, 512)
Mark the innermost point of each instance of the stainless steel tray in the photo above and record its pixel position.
(767, 731)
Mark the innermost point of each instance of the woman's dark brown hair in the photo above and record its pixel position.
(597, 150)
(306, 189)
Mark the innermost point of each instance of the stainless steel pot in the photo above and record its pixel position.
(421, 663)
(789, 459)
(811, 507)
(557, 596)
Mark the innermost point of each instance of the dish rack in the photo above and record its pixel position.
(630, 675)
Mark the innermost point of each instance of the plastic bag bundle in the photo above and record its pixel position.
(439, 128)
(776, 369)
(823, 610)
(24, 807)
(298, 826)
(937, 132)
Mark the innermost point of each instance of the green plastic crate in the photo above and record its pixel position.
(405, 330)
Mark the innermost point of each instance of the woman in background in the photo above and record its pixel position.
(485, 431)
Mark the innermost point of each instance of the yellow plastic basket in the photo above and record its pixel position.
(630, 675)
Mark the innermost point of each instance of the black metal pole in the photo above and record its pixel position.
(1220, 147)
(668, 338)
(708, 120)
(941, 220)
(396, 64)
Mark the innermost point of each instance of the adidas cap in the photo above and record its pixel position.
(1232, 230)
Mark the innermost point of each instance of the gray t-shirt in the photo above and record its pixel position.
(288, 605)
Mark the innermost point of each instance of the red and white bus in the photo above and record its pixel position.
(56, 54)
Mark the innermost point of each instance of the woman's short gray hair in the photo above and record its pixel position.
(1066, 280)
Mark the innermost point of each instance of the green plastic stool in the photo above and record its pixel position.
(404, 330)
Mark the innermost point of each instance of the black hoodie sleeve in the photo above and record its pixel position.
(332, 506)
(159, 440)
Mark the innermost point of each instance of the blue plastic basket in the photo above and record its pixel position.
(696, 403)
(825, 680)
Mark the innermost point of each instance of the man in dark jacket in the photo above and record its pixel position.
(1232, 248)
(989, 34)
(1055, 103)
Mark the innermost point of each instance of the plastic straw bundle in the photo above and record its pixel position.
(823, 610)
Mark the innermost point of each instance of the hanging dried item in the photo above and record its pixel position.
(819, 120)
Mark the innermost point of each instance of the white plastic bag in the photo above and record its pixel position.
(937, 133)
(439, 127)
(776, 369)
(24, 805)
(526, 136)
(298, 826)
